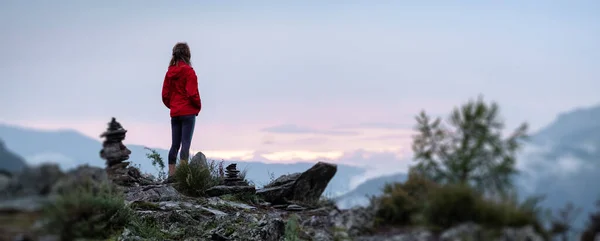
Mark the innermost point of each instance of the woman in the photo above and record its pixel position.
(180, 94)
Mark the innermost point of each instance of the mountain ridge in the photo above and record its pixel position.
(10, 161)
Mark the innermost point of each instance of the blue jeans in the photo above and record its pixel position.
(182, 129)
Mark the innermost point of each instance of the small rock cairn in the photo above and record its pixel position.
(115, 154)
(232, 184)
(232, 177)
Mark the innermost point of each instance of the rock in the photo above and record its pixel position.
(467, 230)
(274, 195)
(284, 180)
(305, 187)
(33, 203)
(115, 154)
(413, 234)
(219, 237)
(312, 183)
(128, 236)
(215, 201)
(295, 208)
(520, 234)
(356, 221)
(36, 180)
(74, 177)
(272, 230)
(152, 193)
(223, 190)
(113, 151)
(232, 177)
(199, 160)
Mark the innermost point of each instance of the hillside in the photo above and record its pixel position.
(70, 149)
(9, 161)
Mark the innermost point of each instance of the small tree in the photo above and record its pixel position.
(469, 149)
(157, 162)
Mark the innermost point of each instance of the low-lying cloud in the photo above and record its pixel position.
(296, 129)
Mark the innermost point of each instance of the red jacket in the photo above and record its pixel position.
(180, 91)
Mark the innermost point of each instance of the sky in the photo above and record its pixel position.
(283, 81)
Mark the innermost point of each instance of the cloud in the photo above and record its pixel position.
(407, 135)
(295, 129)
(242, 155)
(377, 125)
(287, 156)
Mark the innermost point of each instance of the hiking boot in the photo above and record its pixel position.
(170, 179)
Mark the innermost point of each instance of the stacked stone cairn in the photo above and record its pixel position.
(232, 176)
(116, 154)
(232, 184)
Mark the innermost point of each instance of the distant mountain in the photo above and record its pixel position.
(566, 161)
(372, 187)
(9, 161)
(579, 125)
(70, 148)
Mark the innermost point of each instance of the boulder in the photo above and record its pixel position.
(223, 190)
(199, 160)
(312, 183)
(284, 180)
(303, 187)
(37, 180)
(74, 177)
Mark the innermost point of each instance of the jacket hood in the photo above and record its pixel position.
(177, 70)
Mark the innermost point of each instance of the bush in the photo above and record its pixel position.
(451, 205)
(421, 202)
(158, 163)
(90, 210)
(402, 202)
(195, 180)
(292, 229)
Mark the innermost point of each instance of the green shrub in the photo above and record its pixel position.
(89, 210)
(421, 202)
(250, 198)
(396, 207)
(195, 180)
(451, 205)
(292, 229)
(402, 203)
(158, 163)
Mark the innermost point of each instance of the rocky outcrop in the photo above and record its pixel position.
(185, 218)
(306, 187)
